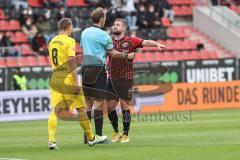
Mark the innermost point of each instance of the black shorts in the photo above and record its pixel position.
(94, 80)
(120, 89)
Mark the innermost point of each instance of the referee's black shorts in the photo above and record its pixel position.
(94, 80)
(120, 89)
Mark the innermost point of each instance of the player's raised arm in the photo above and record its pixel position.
(151, 43)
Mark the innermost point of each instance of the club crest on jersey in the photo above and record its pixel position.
(125, 47)
(125, 44)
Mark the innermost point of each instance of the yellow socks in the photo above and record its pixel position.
(86, 125)
(52, 126)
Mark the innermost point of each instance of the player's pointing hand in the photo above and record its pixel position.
(161, 47)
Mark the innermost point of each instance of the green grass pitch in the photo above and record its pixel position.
(210, 135)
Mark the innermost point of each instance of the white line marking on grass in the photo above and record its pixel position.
(12, 159)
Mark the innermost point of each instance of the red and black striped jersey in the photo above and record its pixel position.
(120, 68)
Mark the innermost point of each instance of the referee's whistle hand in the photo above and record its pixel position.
(131, 55)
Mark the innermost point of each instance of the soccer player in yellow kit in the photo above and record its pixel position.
(65, 91)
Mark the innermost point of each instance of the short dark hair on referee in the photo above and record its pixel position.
(122, 20)
(97, 14)
(64, 23)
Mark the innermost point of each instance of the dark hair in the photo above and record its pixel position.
(64, 23)
(97, 14)
(122, 20)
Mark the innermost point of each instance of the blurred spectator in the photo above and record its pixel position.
(141, 17)
(149, 18)
(168, 12)
(53, 3)
(105, 3)
(5, 40)
(44, 27)
(92, 2)
(214, 2)
(131, 14)
(152, 17)
(19, 80)
(62, 13)
(39, 44)
(19, 4)
(117, 3)
(24, 15)
(29, 29)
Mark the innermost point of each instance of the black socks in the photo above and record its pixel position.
(126, 121)
(113, 118)
(98, 119)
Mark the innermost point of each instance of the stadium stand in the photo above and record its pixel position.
(184, 42)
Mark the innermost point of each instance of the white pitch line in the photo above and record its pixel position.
(12, 159)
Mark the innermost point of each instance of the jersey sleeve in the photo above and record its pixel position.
(71, 48)
(137, 42)
(106, 41)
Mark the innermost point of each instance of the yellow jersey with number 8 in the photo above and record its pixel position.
(60, 48)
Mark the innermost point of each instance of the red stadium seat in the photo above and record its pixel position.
(35, 3)
(166, 22)
(12, 62)
(2, 14)
(32, 61)
(43, 60)
(80, 3)
(4, 26)
(71, 3)
(10, 34)
(20, 37)
(178, 45)
(205, 54)
(189, 45)
(76, 3)
(173, 2)
(169, 44)
(177, 55)
(26, 49)
(23, 61)
(150, 56)
(182, 11)
(235, 8)
(148, 49)
(2, 62)
(196, 54)
(140, 57)
(187, 2)
(177, 11)
(14, 25)
(213, 55)
(188, 55)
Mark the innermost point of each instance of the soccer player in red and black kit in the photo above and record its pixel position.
(120, 78)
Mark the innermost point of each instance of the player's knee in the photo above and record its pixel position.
(98, 104)
(111, 105)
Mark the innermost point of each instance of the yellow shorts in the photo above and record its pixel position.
(61, 94)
